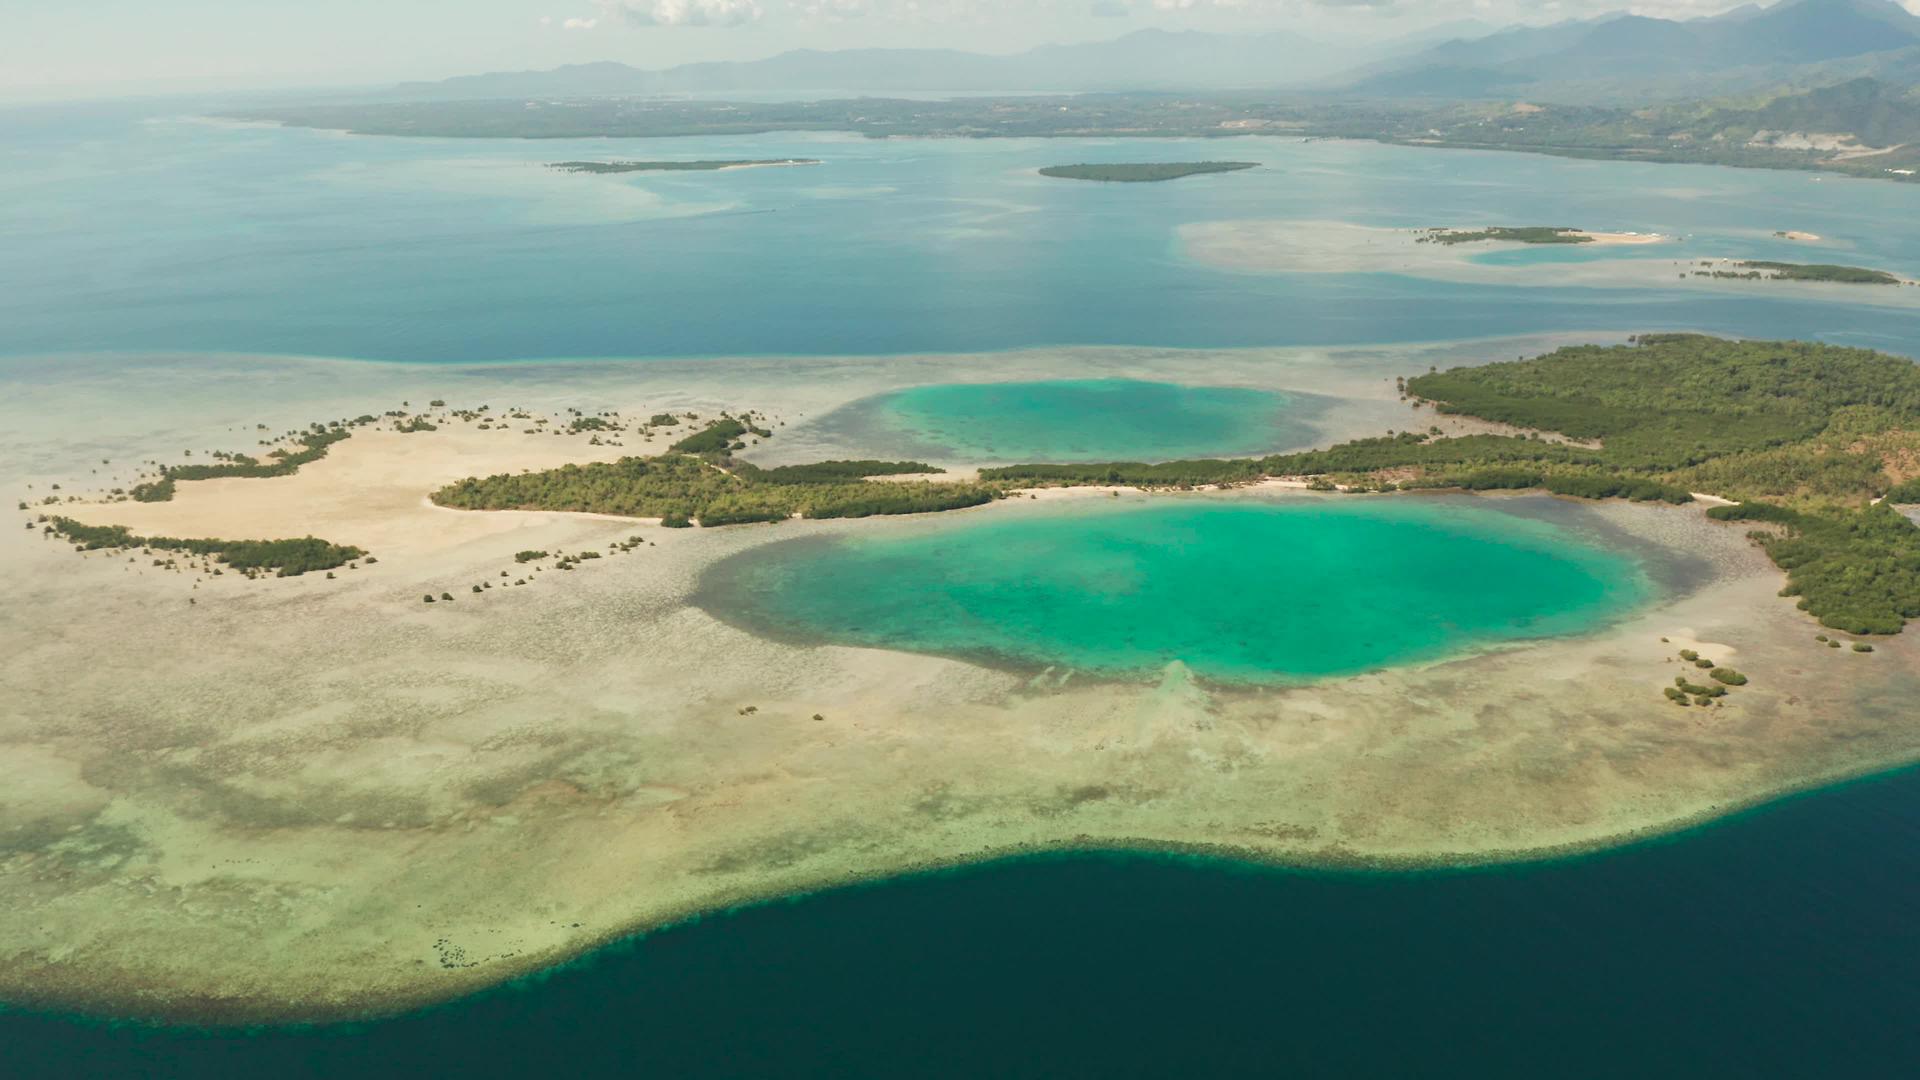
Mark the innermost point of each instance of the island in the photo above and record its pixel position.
(1143, 172)
(1532, 234)
(1522, 234)
(675, 166)
(519, 720)
(1765, 270)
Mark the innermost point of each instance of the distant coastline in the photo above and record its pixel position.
(1143, 172)
(675, 166)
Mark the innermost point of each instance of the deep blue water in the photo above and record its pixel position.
(127, 231)
(1782, 943)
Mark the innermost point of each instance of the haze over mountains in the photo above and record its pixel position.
(1143, 60)
(1796, 43)
(1788, 42)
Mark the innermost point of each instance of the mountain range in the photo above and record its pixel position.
(1656, 57)
(1741, 58)
(1143, 60)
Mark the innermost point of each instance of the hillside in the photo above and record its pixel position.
(1630, 54)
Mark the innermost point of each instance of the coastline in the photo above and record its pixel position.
(388, 1008)
(553, 769)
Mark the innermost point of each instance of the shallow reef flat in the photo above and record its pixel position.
(1607, 260)
(305, 798)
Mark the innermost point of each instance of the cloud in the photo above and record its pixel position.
(579, 24)
(831, 10)
(1110, 9)
(681, 12)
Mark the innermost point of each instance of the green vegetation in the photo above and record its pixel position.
(528, 556)
(719, 437)
(1696, 690)
(682, 489)
(1847, 275)
(1728, 676)
(1759, 270)
(314, 444)
(287, 558)
(834, 472)
(1855, 571)
(1525, 234)
(671, 166)
(1166, 474)
(1143, 172)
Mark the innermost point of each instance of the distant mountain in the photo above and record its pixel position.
(1762, 44)
(1143, 60)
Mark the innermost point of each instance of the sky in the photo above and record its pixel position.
(52, 49)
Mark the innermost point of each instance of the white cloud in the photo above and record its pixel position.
(832, 9)
(579, 24)
(681, 12)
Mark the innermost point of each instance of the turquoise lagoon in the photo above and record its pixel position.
(1078, 420)
(1238, 590)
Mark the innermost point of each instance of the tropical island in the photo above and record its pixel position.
(675, 166)
(1143, 172)
(1765, 270)
(449, 761)
(1523, 234)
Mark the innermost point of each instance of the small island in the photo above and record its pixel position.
(1531, 234)
(1143, 172)
(1761, 270)
(1523, 234)
(674, 166)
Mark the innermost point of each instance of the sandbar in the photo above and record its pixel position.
(1320, 247)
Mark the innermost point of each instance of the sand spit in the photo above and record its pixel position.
(1267, 246)
(306, 798)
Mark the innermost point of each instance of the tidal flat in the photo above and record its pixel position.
(1609, 260)
(303, 798)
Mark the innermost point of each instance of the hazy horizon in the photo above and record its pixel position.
(118, 48)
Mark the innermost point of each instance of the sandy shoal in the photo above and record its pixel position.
(1317, 247)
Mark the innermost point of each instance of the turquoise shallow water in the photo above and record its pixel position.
(1086, 420)
(1237, 590)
